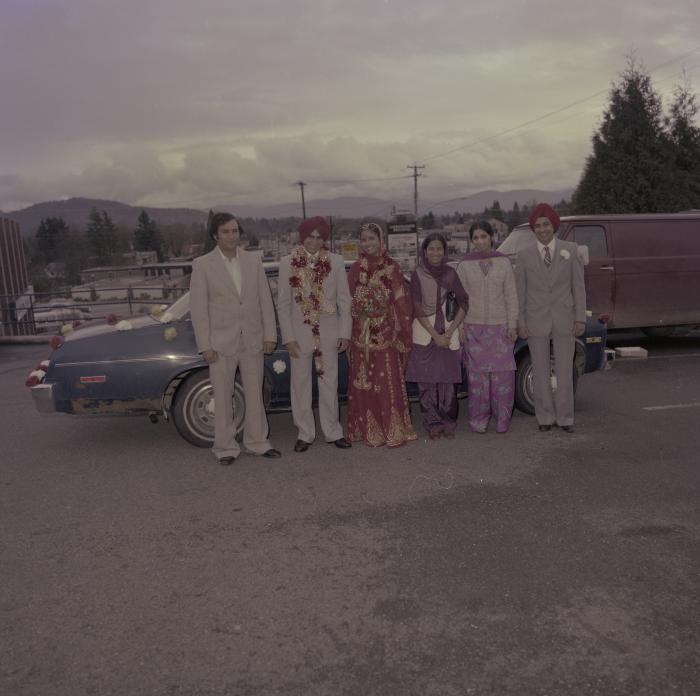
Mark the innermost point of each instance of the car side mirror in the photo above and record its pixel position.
(582, 253)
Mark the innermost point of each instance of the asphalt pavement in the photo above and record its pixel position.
(524, 563)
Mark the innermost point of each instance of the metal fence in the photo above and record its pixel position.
(40, 313)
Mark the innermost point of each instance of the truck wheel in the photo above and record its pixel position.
(193, 409)
(524, 388)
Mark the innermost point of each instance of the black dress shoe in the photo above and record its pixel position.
(341, 443)
(301, 446)
(567, 428)
(544, 428)
(272, 453)
(227, 461)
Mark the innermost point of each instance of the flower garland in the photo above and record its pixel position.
(311, 275)
(370, 300)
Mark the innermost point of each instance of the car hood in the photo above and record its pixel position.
(101, 327)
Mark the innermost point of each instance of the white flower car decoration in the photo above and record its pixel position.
(124, 325)
(279, 366)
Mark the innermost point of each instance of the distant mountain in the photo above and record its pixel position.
(75, 211)
(506, 199)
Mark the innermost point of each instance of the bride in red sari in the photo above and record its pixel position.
(378, 409)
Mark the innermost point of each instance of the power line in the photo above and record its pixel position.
(359, 181)
(547, 115)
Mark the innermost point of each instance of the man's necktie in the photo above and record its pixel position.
(547, 257)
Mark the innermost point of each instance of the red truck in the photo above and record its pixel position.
(642, 272)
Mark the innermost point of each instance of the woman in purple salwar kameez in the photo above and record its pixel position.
(489, 331)
(435, 359)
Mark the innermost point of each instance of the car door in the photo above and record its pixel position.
(600, 271)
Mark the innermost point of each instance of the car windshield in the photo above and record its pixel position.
(520, 238)
(181, 307)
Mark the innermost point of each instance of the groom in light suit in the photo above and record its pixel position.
(234, 323)
(552, 302)
(313, 303)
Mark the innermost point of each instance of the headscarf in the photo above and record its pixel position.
(544, 210)
(430, 284)
(319, 224)
(382, 256)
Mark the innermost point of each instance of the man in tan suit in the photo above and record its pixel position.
(313, 302)
(234, 324)
(552, 302)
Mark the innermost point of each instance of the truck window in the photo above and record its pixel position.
(592, 236)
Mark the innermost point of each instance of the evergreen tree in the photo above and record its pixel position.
(147, 236)
(428, 221)
(110, 236)
(684, 136)
(102, 235)
(51, 237)
(514, 217)
(496, 212)
(563, 207)
(631, 159)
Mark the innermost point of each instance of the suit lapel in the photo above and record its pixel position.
(243, 264)
(555, 258)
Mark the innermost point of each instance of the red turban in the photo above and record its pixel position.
(544, 210)
(315, 223)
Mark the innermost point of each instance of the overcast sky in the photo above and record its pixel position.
(181, 103)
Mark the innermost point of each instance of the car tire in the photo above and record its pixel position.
(524, 388)
(193, 413)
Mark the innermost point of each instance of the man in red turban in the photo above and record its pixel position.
(315, 223)
(313, 305)
(552, 304)
(544, 210)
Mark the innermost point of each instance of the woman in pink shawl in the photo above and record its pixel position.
(489, 330)
(378, 408)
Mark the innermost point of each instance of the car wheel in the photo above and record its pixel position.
(193, 409)
(524, 385)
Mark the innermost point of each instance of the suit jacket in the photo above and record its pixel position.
(550, 299)
(332, 326)
(223, 320)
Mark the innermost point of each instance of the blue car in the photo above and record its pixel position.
(149, 365)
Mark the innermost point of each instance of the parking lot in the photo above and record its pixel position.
(525, 563)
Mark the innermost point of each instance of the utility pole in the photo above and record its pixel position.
(415, 168)
(301, 185)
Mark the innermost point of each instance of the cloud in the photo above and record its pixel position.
(151, 100)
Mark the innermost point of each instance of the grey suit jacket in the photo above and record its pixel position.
(332, 327)
(550, 299)
(223, 320)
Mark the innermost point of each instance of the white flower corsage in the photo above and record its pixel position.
(565, 254)
(279, 366)
(66, 329)
(124, 325)
(165, 318)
